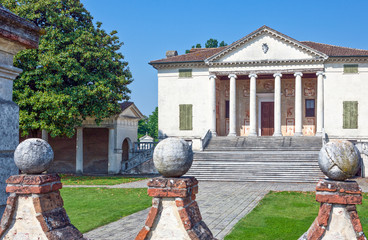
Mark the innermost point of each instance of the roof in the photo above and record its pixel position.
(200, 55)
(125, 105)
(336, 51)
(194, 56)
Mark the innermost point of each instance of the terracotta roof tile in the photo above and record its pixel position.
(125, 105)
(194, 56)
(334, 51)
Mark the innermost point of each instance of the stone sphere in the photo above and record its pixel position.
(173, 157)
(33, 156)
(339, 160)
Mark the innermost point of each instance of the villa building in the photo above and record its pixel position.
(265, 84)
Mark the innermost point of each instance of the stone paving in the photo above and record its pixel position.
(222, 205)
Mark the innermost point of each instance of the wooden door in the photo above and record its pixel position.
(267, 116)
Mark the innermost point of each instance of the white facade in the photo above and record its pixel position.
(228, 86)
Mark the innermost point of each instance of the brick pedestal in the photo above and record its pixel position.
(35, 210)
(174, 213)
(338, 200)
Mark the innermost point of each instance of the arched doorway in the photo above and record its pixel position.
(125, 148)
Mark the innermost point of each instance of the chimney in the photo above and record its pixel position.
(171, 53)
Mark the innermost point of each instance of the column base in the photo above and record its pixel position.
(277, 134)
(319, 134)
(231, 135)
(298, 134)
(253, 134)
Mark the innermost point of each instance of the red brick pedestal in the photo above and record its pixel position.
(345, 194)
(38, 198)
(181, 194)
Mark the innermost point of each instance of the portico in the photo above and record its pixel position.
(244, 101)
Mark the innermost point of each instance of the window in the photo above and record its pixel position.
(350, 118)
(309, 108)
(185, 117)
(227, 109)
(185, 73)
(350, 68)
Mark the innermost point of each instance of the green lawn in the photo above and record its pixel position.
(89, 208)
(284, 215)
(96, 180)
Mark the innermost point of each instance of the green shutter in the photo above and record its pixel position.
(354, 115)
(350, 68)
(185, 117)
(350, 118)
(185, 73)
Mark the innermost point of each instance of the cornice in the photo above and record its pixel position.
(348, 59)
(179, 65)
(267, 62)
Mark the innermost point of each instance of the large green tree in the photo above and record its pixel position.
(149, 125)
(77, 71)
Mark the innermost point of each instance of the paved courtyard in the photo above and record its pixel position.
(222, 205)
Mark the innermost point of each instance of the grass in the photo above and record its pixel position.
(96, 180)
(284, 215)
(89, 208)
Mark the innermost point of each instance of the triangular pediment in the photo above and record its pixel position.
(266, 44)
(131, 112)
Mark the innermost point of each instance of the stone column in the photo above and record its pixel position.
(113, 168)
(79, 152)
(213, 105)
(45, 135)
(16, 34)
(232, 105)
(253, 105)
(277, 105)
(320, 107)
(298, 104)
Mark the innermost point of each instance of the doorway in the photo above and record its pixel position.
(125, 148)
(267, 118)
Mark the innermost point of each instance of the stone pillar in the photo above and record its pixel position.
(320, 100)
(277, 105)
(16, 34)
(213, 105)
(112, 166)
(232, 105)
(175, 213)
(35, 207)
(253, 105)
(45, 135)
(298, 104)
(337, 217)
(79, 152)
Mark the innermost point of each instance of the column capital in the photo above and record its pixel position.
(320, 73)
(277, 75)
(212, 76)
(298, 74)
(232, 76)
(252, 75)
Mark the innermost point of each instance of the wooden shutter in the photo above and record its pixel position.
(350, 68)
(185, 117)
(185, 73)
(350, 118)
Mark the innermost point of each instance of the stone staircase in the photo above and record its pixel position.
(271, 159)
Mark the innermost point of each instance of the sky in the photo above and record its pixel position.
(149, 28)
